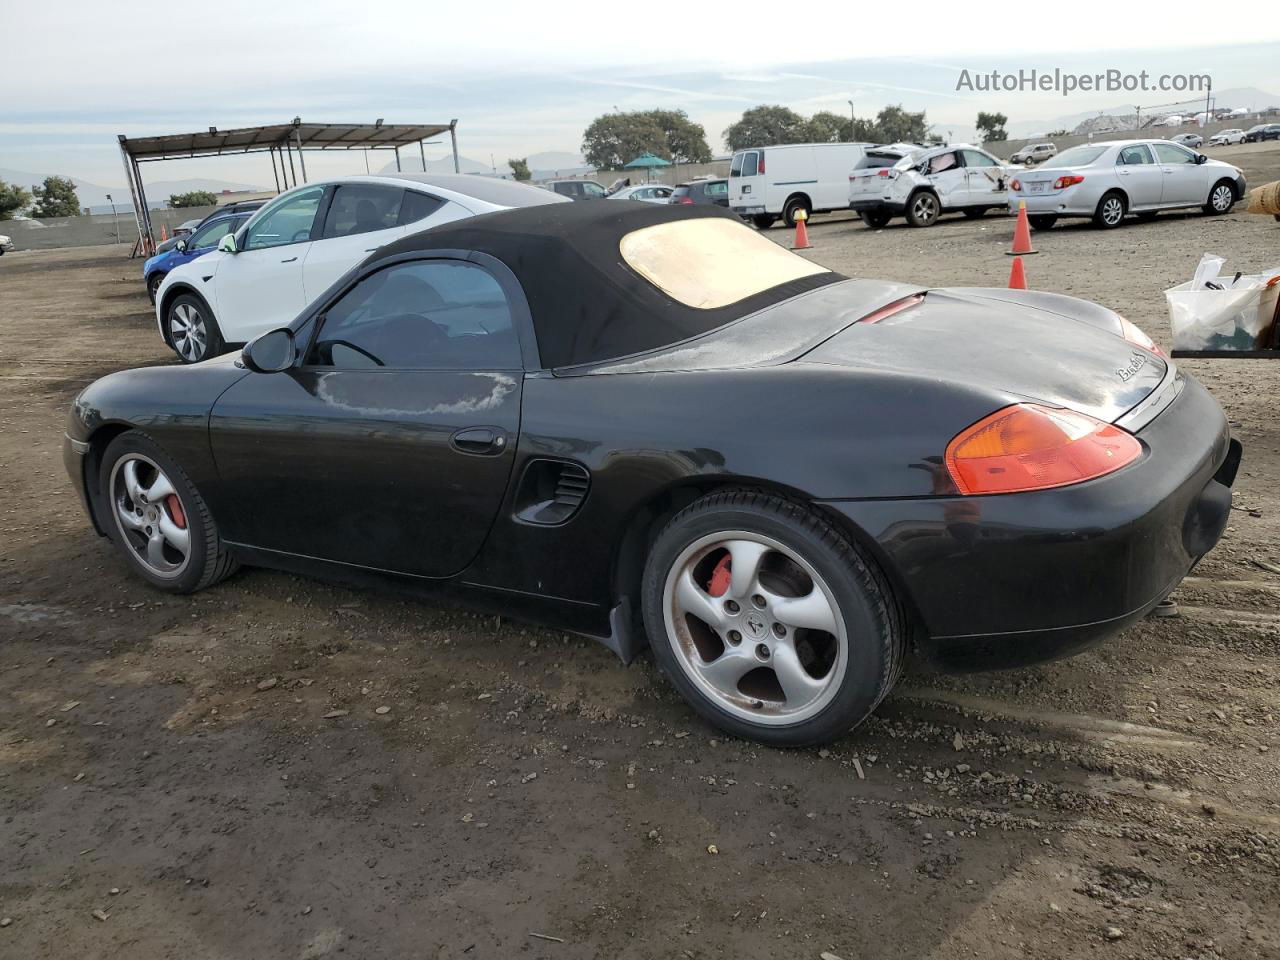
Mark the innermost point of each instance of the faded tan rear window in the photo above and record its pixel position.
(712, 262)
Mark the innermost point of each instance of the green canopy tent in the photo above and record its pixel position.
(646, 162)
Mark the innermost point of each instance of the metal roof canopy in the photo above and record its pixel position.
(281, 140)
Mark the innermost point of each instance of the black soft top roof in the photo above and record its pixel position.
(587, 303)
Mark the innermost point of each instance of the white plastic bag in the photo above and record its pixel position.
(1233, 318)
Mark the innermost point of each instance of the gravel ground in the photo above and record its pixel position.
(216, 777)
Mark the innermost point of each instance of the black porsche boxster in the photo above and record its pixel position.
(657, 427)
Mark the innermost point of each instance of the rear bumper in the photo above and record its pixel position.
(1061, 204)
(748, 210)
(1004, 581)
(892, 207)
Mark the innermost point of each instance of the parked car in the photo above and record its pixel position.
(1261, 132)
(185, 249)
(1192, 140)
(646, 192)
(1109, 180)
(702, 192)
(924, 185)
(579, 416)
(6, 244)
(576, 189)
(291, 250)
(239, 206)
(766, 183)
(1034, 153)
(1224, 137)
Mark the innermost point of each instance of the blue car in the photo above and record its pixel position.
(204, 239)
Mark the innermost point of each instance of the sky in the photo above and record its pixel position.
(523, 78)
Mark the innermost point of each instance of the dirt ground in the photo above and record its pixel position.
(174, 782)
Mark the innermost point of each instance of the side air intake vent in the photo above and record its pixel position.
(551, 491)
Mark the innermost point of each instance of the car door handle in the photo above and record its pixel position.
(290, 260)
(479, 440)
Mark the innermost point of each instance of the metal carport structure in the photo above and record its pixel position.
(282, 140)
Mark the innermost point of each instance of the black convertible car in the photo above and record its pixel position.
(655, 426)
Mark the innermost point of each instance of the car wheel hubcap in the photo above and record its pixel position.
(755, 628)
(924, 208)
(1112, 211)
(1222, 198)
(149, 516)
(186, 327)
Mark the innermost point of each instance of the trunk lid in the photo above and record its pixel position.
(970, 337)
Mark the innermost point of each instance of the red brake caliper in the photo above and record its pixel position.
(720, 578)
(175, 511)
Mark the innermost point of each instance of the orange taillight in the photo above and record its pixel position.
(1032, 447)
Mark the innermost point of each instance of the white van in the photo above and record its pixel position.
(766, 183)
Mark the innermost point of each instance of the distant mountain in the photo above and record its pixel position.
(1251, 98)
(413, 164)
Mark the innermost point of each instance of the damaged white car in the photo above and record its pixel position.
(923, 186)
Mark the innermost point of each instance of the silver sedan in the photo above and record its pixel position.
(1108, 181)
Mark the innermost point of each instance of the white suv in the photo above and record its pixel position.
(922, 186)
(1034, 153)
(295, 247)
(1224, 137)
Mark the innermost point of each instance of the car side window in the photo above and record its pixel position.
(211, 233)
(1131, 156)
(590, 189)
(1168, 153)
(976, 158)
(943, 162)
(418, 206)
(362, 208)
(717, 189)
(288, 220)
(750, 164)
(421, 315)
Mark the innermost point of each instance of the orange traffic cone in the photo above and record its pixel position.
(164, 233)
(802, 234)
(1017, 278)
(1021, 233)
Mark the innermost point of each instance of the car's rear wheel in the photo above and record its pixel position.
(1110, 210)
(769, 621)
(763, 221)
(793, 207)
(875, 218)
(923, 209)
(158, 519)
(1042, 221)
(1221, 198)
(192, 331)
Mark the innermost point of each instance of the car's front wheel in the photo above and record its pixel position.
(158, 519)
(192, 331)
(153, 285)
(1221, 198)
(923, 209)
(769, 621)
(973, 213)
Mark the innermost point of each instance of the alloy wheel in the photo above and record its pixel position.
(149, 516)
(1112, 211)
(755, 627)
(188, 332)
(1222, 198)
(924, 208)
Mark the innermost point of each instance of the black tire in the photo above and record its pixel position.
(207, 561)
(1042, 221)
(1222, 197)
(153, 285)
(211, 345)
(1106, 215)
(973, 213)
(863, 600)
(794, 206)
(923, 208)
(764, 221)
(875, 218)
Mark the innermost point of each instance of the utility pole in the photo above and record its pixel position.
(853, 123)
(114, 218)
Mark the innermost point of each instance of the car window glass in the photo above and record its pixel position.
(592, 189)
(362, 208)
(211, 233)
(750, 163)
(975, 158)
(416, 206)
(422, 315)
(289, 220)
(1131, 156)
(717, 189)
(735, 165)
(943, 162)
(1168, 153)
(1080, 156)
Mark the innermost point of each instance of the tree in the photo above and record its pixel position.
(196, 198)
(13, 200)
(764, 125)
(520, 168)
(57, 198)
(617, 138)
(896, 125)
(992, 126)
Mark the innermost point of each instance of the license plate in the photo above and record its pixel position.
(1037, 186)
(864, 185)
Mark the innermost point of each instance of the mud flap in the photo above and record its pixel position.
(625, 638)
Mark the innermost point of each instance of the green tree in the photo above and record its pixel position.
(520, 168)
(617, 138)
(13, 200)
(896, 125)
(992, 126)
(686, 140)
(56, 198)
(196, 198)
(765, 125)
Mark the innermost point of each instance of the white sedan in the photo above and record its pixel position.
(645, 192)
(1108, 181)
(1226, 137)
(300, 244)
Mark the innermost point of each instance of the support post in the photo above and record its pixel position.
(302, 161)
(133, 193)
(144, 209)
(272, 152)
(422, 152)
(397, 159)
(453, 135)
(291, 169)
